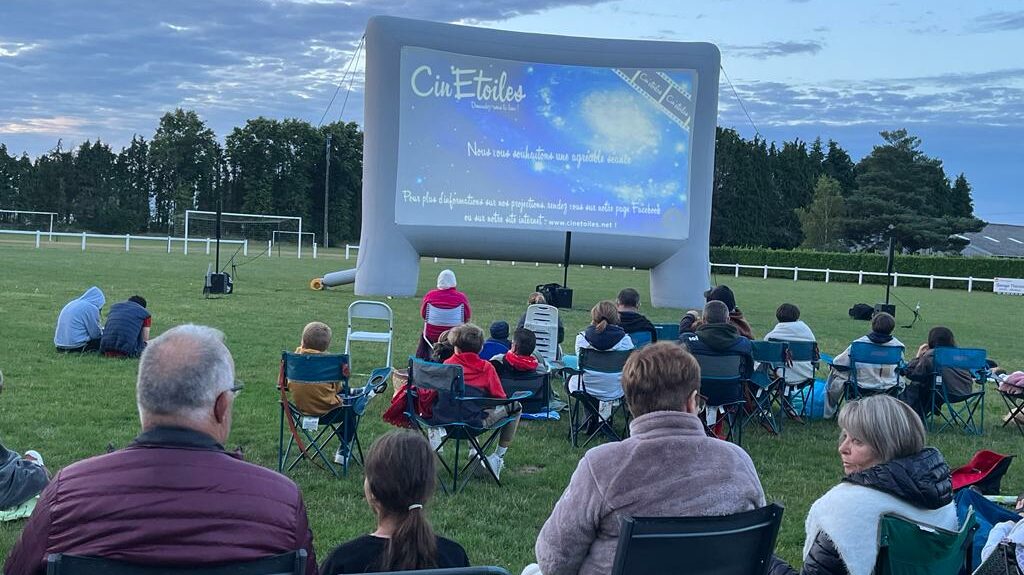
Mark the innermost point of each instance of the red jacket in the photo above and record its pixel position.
(479, 373)
(172, 497)
(449, 298)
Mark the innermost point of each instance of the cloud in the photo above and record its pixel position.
(12, 49)
(998, 22)
(56, 126)
(772, 49)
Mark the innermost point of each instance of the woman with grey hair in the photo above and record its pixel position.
(887, 469)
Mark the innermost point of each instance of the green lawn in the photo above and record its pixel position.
(71, 407)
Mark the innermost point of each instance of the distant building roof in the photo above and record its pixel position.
(1000, 240)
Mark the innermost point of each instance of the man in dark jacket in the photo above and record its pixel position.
(127, 329)
(630, 318)
(717, 336)
(174, 496)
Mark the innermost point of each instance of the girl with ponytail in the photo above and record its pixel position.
(400, 479)
(603, 334)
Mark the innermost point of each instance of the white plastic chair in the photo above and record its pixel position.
(542, 320)
(375, 311)
(442, 317)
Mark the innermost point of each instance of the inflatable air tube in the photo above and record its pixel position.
(334, 279)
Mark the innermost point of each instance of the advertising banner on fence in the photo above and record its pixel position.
(1010, 286)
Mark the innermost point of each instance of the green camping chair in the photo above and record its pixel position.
(909, 548)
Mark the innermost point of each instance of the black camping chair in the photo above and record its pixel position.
(460, 415)
(293, 563)
(584, 413)
(537, 383)
(722, 377)
(739, 543)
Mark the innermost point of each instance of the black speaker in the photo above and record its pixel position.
(556, 295)
(218, 283)
(887, 308)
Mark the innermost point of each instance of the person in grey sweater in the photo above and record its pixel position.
(668, 467)
(21, 477)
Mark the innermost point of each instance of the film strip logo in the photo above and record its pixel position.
(673, 100)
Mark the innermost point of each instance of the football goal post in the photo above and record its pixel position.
(287, 242)
(200, 225)
(28, 220)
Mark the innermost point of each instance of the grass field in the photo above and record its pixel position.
(71, 407)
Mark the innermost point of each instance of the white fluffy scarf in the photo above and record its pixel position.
(849, 514)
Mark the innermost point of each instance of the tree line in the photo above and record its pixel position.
(812, 195)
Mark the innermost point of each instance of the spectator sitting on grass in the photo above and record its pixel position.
(127, 328)
(21, 477)
(78, 325)
(667, 467)
(478, 373)
(174, 496)
(400, 480)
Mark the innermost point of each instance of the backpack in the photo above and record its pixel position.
(862, 311)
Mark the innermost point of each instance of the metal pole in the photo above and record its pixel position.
(327, 187)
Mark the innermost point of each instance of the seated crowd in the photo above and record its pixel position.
(186, 390)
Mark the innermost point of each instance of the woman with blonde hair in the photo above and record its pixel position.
(400, 479)
(603, 334)
(887, 469)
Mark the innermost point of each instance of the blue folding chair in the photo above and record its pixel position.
(766, 384)
(798, 352)
(869, 355)
(319, 429)
(584, 408)
(640, 338)
(460, 414)
(721, 384)
(667, 331)
(958, 410)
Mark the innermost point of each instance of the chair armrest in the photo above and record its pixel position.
(494, 401)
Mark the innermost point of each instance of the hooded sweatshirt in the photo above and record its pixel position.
(478, 373)
(79, 321)
(20, 479)
(797, 330)
(603, 386)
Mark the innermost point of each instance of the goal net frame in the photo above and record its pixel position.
(52, 215)
(190, 213)
(275, 242)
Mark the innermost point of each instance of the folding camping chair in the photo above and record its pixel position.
(477, 570)
(371, 311)
(722, 379)
(870, 355)
(459, 415)
(1002, 561)
(909, 548)
(667, 331)
(798, 352)
(739, 543)
(959, 410)
(584, 408)
(537, 383)
(342, 422)
(293, 563)
(765, 386)
(1015, 410)
(641, 338)
(542, 320)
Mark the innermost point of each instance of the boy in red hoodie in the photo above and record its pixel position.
(468, 339)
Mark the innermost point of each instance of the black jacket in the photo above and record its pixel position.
(632, 322)
(922, 479)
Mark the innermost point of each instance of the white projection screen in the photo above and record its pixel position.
(491, 144)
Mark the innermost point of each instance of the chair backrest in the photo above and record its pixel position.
(721, 377)
(365, 309)
(970, 359)
(542, 314)
(640, 338)
(740, 543)
(909, 548)
(546, 335)
(446, 317)
(772, 352)
(293, 563)
(315, 368)
(801, 350)
(874, 354)
(537, 383)
(603, 361)
(667, 331)
(480, 570)
(441, 377)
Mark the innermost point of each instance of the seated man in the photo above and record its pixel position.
(174, 496)
(790, 328)
(716, 336)
(869, 376)
(667, 467)
(498, 343)
(630, 318)
(78, 325)
(478, 373)
(21, 477)
(723, 294)
(127, 329)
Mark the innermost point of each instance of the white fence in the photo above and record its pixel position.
(84, 238)
(829, 273)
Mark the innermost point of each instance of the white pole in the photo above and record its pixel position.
(127, 240)
(38, 234)
(270, 248)
(931, 282)
(860, 277)
(300, 240)
(83, 241)
(314, 250)
(895, 279)
(51, 229)
(970, 284)
(737, 270)
(765, 276)
(245, 247)
(207, 246)
(796, 274)
(168, 244)
(826, 274)
(186, 234)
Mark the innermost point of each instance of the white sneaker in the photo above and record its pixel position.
(436, 436)
(340, 457)
(496, 462)
(35, 455)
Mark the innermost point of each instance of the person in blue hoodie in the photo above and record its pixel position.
(78, 325)
(127, 328)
